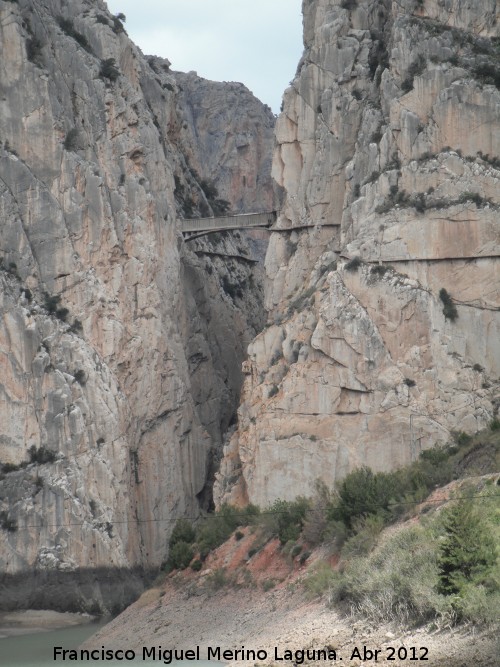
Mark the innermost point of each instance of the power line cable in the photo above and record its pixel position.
(262, 513)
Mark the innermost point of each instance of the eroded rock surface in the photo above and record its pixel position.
(120, 347)
(384, 312)
(228, 138)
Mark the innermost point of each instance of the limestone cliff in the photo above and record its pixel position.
(384, 295)
(228, 138)
(120, 348)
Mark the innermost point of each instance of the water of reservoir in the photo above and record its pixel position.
(37, 650)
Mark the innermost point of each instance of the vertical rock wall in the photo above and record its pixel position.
(117, 344)
(384, 312)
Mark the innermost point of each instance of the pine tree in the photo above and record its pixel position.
(467, 553)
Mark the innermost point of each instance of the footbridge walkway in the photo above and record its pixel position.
(196, 227)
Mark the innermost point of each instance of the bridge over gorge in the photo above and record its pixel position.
(196, 227)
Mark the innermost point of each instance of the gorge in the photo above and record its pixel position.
(374, 333)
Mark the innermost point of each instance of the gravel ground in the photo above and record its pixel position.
(281, 620)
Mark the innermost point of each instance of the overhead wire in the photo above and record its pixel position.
(248, 516)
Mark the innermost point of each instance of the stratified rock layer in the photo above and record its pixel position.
(120, 348)
(384, 324)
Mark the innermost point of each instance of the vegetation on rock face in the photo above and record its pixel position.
(41, 455)
(353, 264)
(349, 4)
(219, 206)
(109, 70)
(416, 69)
(449, 308)
(71, 140)
(68, 28)
(6, 523)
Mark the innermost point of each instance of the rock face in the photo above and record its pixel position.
(227, 137)
(120, 347)
(384, 312)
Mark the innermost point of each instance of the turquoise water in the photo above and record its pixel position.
(37, 650)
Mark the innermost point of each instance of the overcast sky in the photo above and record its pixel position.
(257, 42)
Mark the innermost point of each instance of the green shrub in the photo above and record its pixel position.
(446, 569)
(62, 314)
(51, 302)
(217, 580)
(467, 553)
(71, 140)
(488, 73)
(80, 377)
(268, 584)
(478, 604)
(219, 206)
(183, 532)
(41, 455)
(100, 18)
(249, 515)
(494, 161)
(473, 197)
(77, 326)
(109, 70)
(216, 528)
(379, 270)
(416, 69)
(495, 425)
(396, 583)
(304, 557)
(239, 535)
(449, 309)
(6, 523)
(118, 22)
(365, 537)
(34, 50)
(285, 519)
(180, 555)
(67, 27)
(462, 439)
(196, 565)
(353, 264)
(12, 467)
(362, 492)
(233, 290)
(322, 581)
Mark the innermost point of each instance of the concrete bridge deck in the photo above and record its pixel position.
(196, 227)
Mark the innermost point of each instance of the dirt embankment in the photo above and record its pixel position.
(258, 603)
